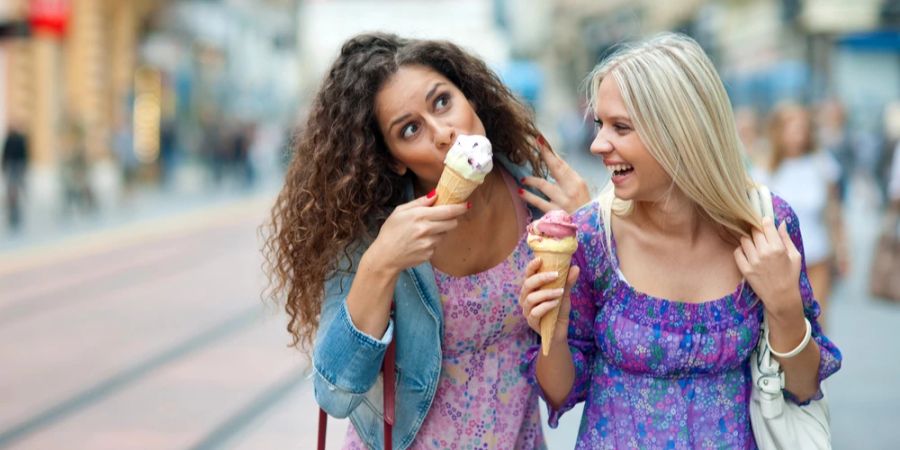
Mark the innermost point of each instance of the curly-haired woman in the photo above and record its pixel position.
(355, 230)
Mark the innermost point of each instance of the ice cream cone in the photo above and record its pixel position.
(553, 240)
(468, 161)
(453, 188)
(560, 263)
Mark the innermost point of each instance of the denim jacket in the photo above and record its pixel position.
(347, 362)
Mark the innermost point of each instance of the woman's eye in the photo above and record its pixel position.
(409, 130)
(441, 102)
(622, 128)
(598, 123)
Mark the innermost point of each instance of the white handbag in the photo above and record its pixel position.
(778, 424)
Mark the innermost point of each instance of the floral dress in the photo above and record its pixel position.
(656, 373)
(482, 400)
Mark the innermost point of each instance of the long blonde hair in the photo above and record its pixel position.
(682, 114)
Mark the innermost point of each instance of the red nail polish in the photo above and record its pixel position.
(432, 193)
(521, 191)
(468, 205)
(541, 140)
(522, 180)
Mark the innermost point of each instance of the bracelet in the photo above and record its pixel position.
(797, 349)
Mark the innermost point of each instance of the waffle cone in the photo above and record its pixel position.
(453, 188)
(560, 263)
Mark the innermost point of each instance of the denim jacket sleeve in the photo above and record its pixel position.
(346, 361)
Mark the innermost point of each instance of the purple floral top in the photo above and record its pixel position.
(656, 373)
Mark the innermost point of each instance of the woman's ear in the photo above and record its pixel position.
(399, 168)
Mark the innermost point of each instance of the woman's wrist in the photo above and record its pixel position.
(560, 340)
(796, 350)
(372, 263)
(785, 307)
(786, 328)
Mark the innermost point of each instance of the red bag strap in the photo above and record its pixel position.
(388, 368)
(323, 424)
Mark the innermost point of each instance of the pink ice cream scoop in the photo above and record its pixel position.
(555, 224)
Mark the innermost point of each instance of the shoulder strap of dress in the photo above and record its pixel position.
(521, 213)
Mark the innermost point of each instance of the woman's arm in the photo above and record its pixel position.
(346, 360)
(564, 375)
(555, 372)
(834, 219)
(407, 238)
(801, 372)
(354, 326)
(772, 262)
(369, 299)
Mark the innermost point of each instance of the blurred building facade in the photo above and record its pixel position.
(132, 86)
(67, 70)
(766, 50)
(109, 90)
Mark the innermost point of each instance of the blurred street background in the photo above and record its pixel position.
(144, 140)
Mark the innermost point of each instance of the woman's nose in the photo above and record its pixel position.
(600, 145)
(444, 135)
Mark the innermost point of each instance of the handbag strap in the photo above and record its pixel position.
(388, 369)
(606, 199)
(323, 425)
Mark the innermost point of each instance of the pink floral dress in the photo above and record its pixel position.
(482, 401)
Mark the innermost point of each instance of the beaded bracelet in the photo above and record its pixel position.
(799, 347)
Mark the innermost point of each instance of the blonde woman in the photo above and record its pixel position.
(808, 179)
(655, 330)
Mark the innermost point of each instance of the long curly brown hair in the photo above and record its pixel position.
(339, 187)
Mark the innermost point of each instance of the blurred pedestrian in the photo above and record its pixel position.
(889, 166)
(833, 137)
(884, 281)
(78, 195)
(168, 151)
(808, 178)
(15, 163)
(355, 234)
(894, 180)
(242, 139)
(123, 146)
(868, 145)
(212, 148)
(746, 120)
(678, 270)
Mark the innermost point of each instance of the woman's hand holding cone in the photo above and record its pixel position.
(411, 233)
(536, 301)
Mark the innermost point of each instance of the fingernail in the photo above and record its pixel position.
(541, 140)
(521, 191)
(522, 180)
(432, 193)
(468, 205)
